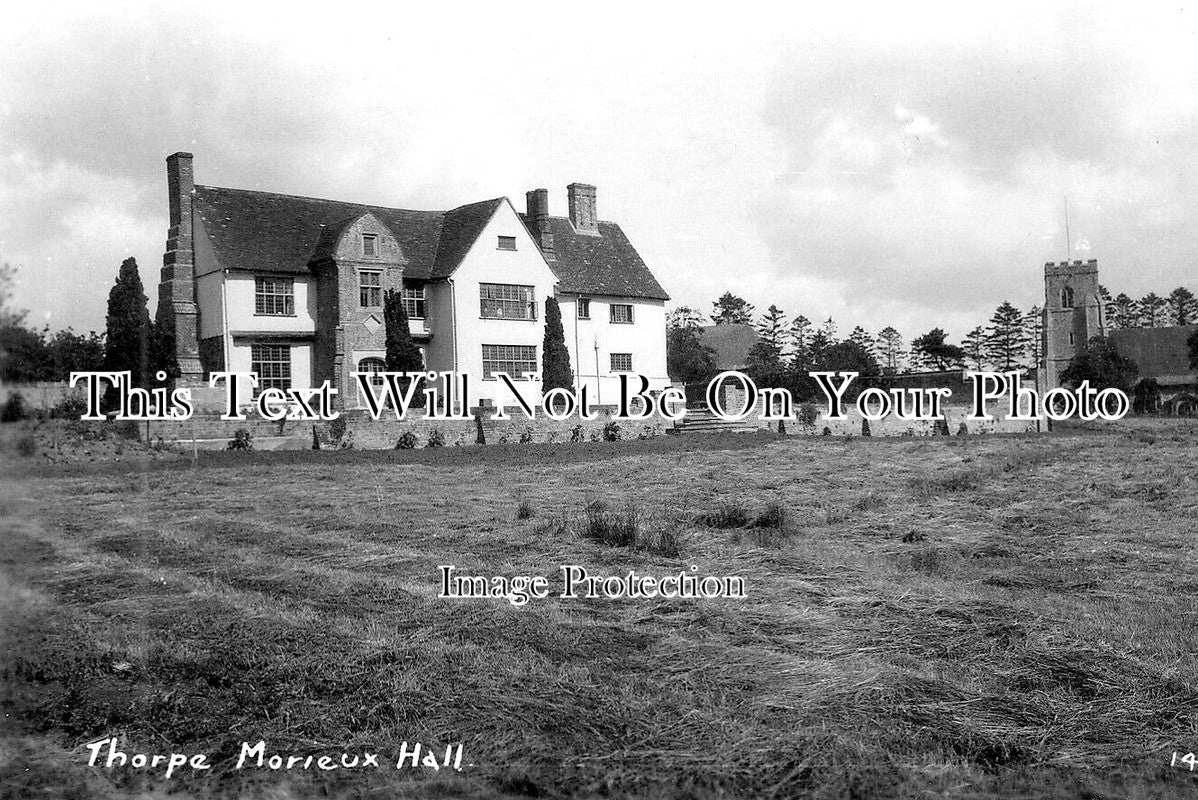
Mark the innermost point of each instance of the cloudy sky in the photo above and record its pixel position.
(887, 165)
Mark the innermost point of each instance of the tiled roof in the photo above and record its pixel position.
(607, 264)
(251, 230)
(1158, 352)
(731, 343)
(265, 231)
(461, 228)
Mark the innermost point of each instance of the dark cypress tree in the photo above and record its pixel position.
(128, 341)
(555, 358)
(402, 353)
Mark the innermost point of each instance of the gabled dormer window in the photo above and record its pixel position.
(507, 242)
(370, 245)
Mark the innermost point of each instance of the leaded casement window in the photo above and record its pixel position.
(272, 362)
(516, 360)
(413, 302)
(506, 301)
(621, 313)
(373, 366)
(274, 296)
(621, 362)
(370, 288)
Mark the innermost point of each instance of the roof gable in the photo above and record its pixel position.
(459, 232)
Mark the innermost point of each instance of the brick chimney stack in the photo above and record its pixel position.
(177, 313)
(583, 214)
(537, 205)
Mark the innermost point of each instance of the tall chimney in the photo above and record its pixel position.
(177, 313)
(537, 204)
(583, 215)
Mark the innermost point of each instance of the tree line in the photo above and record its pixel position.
(131, 340)
(787, 348)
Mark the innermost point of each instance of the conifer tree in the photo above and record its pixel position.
(1126, 314)
(933, 350)
(772, 328)
(890, 347)
(555, 358)
(1182, 304)
(1152, 310)
(862, 339)
(800, 339)
(730, 309)
(1006, 338)
(402, 353)
(127, 342)
(975, 347)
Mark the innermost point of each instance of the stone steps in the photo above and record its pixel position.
(703, 421)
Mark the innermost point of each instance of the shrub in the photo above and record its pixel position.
(347, 441)
(315, 439)
(772, 516)
(728, 515)
(406, 441)
(864, 427)
(525, 510)
(337, 429)
(15, 409)
(242, 440)
(435, 439)
(71, 407)
(611, 431)
(27, 445)
(614, 529)
(827, 431)
(526, 436)
(807, 415)
(962, 429)
(576, 434)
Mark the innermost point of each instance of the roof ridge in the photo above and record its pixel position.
(326, 200)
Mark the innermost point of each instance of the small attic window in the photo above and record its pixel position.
(370, 245)
(507, 242)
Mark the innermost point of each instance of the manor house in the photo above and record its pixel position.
(292, 288)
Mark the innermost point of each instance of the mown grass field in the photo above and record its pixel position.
(965, 617)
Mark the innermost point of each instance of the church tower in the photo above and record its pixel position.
(1072, 314)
